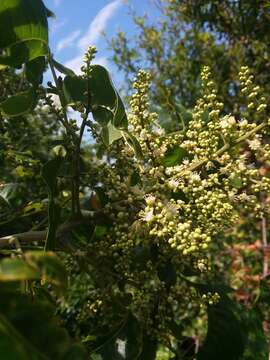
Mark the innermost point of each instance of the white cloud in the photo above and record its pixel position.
(57, 25)
(68, 41)
(92, 35)
(99, 24)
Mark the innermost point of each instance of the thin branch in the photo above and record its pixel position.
(265, 247)
(40, 236)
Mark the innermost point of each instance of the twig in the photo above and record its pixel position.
(265, 247)
(40, 236)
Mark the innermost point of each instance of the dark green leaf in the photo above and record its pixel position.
(226, 335)
(101, 87)
(31, 329)
(174, 156)
(24, 23)
(14, 346)
(34, 70)
(167, 273)
(49, 173)
(149, 349)
(75, 89)
(102, 115)
(120, 118)
(19, 104)
(63, 69)
(104, 94)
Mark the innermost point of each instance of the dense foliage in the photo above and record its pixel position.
(114, 250)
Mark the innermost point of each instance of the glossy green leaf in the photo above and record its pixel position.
(19, 104)
(174, 156)
(24, 23)
(63, 69)
(34, 70)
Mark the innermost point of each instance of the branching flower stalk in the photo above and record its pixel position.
(163, 214)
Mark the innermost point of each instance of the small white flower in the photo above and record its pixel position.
(227, 122)
(148, 216)
(150, 199)
(158, 131)
(173, 183)
(195, 177)
(243, 123)
(171, 210)
(254, 144)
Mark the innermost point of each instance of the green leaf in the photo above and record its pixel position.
(226, 334)
(114, 133)
(174, 156)
(120, 118)
(14, 346)
(19, 104)
(63, 69)
(24, 23)
(35, 265)
(102, 115)
(133, 143)
(132, 336)
(7, 191)
(101, 87)
(32, 331)
(49, 174)
(167, 273)
(110, 134)
(75, 89)
(34, 70)
(49, 266)
(104, 95)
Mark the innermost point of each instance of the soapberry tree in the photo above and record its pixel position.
(111, 248)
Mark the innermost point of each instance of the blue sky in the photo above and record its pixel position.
(80, 23)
